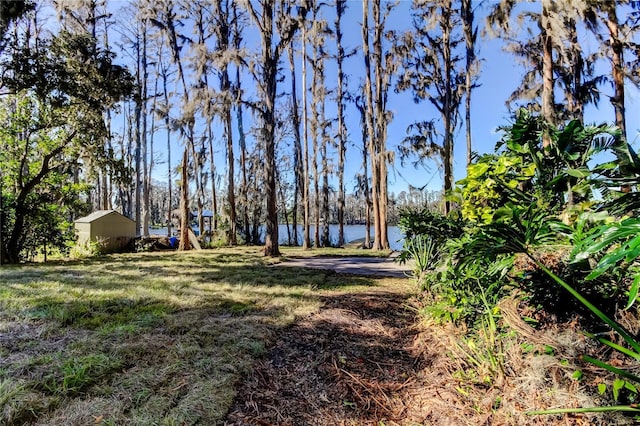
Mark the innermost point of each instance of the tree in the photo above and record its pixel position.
(318, 129)
(377, 115)
(237, 28)
(11, 11)
(163, 16)
(434, 71)
(341, 6)
(162, 110)
(222, 13)
(385, 67)
(362, 188)
(306, 240)
(300, 159)
(205, 100)
(616, 47)
(184, 244)
(369, 120)
(273, 45)
(575, 69)
(297, 146)
(53, 115)
(470, 31)
(92, 18)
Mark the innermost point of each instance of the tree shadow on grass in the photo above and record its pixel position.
(157, 341)
(351, 363)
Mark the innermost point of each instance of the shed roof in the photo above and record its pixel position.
(97, 215)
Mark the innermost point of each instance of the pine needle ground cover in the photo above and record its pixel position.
(149, 338)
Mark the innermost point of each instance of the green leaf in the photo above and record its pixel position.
(577, 375)
(633, 291)
(617, 385)
(609, 367)
(615, 346)
(579, 173)
(474, 171)
(602, 388)
(630, 387)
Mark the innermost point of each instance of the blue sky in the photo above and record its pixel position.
(499, 76)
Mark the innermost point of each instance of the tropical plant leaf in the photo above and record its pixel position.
(620, 372)
(606, 235)
(579, 173)
(633, 292)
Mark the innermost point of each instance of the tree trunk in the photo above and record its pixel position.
(617, 72)
(147, 183)
(617, 67)
(306, 242)
(469, 38)
(138, 143)
(169, 173)
(269, 75)
(184, 204)
(381, 77)
(243, 164)
(236, 41)
(224, 40)
(231, 187)
(321, 139)
(297, 147)
(316, 178)
(145, 158)
(244, 193)
(165, 92)
(375, 181)
(363, 180)
(326, 241)
(315, 124)
(448, 107)
(575, 100)
(342, 131)
(548, 109)
(212, 176)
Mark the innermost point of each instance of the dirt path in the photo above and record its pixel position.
(356, 362)
(376, 266)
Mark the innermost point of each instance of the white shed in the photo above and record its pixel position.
(113, 230)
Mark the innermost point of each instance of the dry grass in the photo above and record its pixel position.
(537, 372)
(155, 338)
(167, 339)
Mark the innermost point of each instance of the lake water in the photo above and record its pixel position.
(351, 233)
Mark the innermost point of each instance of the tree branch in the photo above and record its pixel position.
(254, 15)
(44, 169)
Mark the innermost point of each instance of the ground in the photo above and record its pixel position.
(228, 337)
(369, 358)
(357, 361)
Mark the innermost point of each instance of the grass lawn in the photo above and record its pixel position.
(149, 338)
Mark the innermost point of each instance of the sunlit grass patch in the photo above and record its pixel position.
(149, 338)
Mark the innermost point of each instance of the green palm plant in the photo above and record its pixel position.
(521, 230)
(624, 238)
(529, 220)
(562, 166)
